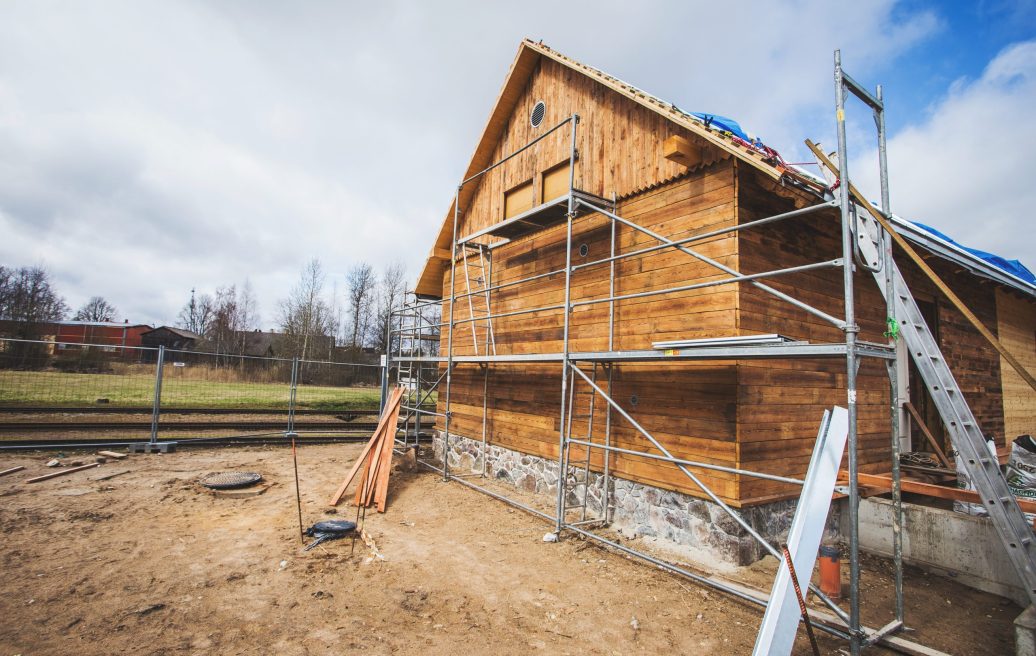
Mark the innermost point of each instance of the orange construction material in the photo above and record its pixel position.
(830, 572)
(391, 413)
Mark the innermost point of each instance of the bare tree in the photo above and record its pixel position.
(362, 283)
(96, 309)
(247, 314)
(6, 290)
(391, 288)
(27, 296)
(305, 315)
(196, 313)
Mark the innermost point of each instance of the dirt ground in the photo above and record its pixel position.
(149, 563)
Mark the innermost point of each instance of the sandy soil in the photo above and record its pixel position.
(149, 563)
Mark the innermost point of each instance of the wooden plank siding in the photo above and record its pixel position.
(760, 415)
(780, 403)
(1016, 326)
(689, 407)
(619, 144)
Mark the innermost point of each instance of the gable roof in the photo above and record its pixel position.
(529, 55)
(181, 332)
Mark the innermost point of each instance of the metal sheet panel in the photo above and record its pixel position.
(781, 620)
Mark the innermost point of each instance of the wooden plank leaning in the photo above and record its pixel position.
(393, 401)
(381, 488)
(939, 453)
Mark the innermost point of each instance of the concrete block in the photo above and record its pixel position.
(1025, 633)
(157, 447)
(943, 542)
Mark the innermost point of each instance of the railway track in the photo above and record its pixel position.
(66, 426)
(234, 440)
(104, 410)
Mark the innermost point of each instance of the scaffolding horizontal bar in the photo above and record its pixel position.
(707, 235)
(835, 321)
(419, 411)
(798, 350)
(837, 263)
(521, 150)
(862, 93)
(689, 463)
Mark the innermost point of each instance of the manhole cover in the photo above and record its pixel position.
(230, 480)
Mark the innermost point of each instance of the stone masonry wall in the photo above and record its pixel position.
(697, 528)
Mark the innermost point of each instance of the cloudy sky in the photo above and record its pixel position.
(150, 147)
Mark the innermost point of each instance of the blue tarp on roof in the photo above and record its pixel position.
(1013, 267)
(723, 123)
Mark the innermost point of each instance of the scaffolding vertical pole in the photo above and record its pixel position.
(895, 410)
(606, 482)
(418, 368)
(850, 362)
(410, 364)
(488, 286)
(564, 337)
(156, 403)
(485, 399)
(449, 339)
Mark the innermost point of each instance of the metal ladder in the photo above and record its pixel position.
(589, 407)
(478, 303)
(983, 468)
(410, 344)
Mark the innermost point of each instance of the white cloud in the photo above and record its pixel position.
(966, 167)
(150, 147)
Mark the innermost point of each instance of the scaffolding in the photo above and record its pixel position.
(593, 370)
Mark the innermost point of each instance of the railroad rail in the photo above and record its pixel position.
(121, 410)
(234, 440)
(68, 426)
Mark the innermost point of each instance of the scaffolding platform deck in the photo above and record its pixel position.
(543, 216)
(788, 350)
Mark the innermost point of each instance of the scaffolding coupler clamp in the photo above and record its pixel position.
(893, 328)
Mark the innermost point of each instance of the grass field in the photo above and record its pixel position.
(44, 388)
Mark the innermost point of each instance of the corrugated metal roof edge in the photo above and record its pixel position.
(954, 253)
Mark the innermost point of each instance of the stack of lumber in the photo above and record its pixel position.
(376, 460)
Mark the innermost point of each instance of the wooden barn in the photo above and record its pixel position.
(640, 306)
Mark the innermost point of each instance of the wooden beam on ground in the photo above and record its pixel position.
(112, 454)
(62, 472)
(11, 470)
(932, 275)
(393, 401)
(928, 434)
(680, 150)
(929, 490)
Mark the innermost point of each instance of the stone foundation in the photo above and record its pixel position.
(695, 528)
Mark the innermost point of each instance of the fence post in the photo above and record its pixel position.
(384, 381)
(156, 404)
(291, 397)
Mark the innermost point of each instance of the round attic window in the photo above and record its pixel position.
(536, 116)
